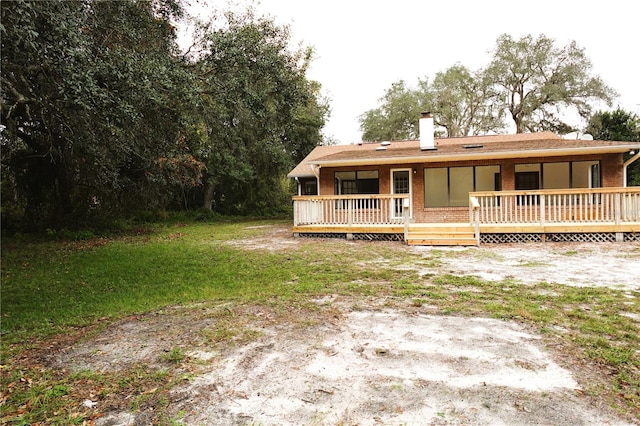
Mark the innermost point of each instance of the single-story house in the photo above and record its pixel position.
(468, 190)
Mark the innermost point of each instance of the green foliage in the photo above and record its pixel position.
(396, 118)
(260, 112)
(464, 103)
(618, 125)
(529, 79)
(105, 117)
(539, 81)
(86, 86)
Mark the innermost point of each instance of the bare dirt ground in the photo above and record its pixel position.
(612, 265)
(358, 362)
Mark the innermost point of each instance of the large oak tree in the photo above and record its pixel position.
(540, 82)
(397, 116)
(531, 80)
(260, 113)
(92, 97)
(463, 102)
(102, 115)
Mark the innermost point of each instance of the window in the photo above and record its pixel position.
(436, 187)
(460, 185)
(309, 186)
(585, 174)
(357, 182)
(527, 177)
(450, 186)
(568, 174)
(556, 175)
(488, 178)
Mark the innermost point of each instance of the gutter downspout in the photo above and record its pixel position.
(627, 164)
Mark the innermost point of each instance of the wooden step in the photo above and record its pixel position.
(441, 241)
(446, 234)
(442, 228)
(441, 235)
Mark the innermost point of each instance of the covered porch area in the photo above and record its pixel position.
(571, 215)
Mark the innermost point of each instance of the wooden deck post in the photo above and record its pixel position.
(474, 205)
(405, 215)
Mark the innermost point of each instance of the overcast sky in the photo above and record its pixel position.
(362, 47)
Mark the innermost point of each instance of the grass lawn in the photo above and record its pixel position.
(74, 288)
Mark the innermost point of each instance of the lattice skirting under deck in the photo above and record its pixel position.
(591, 237)
(631, 236)
(379, 237)
(510, 238)
(355, 236)
(594, 237)
(321, 235)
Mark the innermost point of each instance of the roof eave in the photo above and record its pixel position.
(301, 175)
(479, 156)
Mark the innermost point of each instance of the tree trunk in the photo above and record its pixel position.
(519, 127)
(208, 196)
(63, 213)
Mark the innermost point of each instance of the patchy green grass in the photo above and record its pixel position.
(594, 322)
(58, 288)
(532, 264)
(175, 355)
(50, 286)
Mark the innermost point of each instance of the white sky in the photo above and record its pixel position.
(362, 47)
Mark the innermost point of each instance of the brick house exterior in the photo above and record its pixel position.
(545, 159)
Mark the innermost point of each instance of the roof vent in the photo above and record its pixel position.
(578, 135)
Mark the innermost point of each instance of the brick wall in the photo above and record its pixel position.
(610, 169)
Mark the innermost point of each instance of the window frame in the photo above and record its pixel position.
(359, 183)
(544, 176)
(474, 183)
(410, 192)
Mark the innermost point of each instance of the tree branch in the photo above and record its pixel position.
(20, 99)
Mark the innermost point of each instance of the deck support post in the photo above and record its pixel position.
(405, 215)
(474, 215)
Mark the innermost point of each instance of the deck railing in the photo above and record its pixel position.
(587, 205)
(373, 209)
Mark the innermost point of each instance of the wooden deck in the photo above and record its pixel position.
(463, 234)
(602, 214)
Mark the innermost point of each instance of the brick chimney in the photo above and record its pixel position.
(427, 142)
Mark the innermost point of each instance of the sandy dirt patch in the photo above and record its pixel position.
(390, 368)
(359, 363)
(613, 265)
